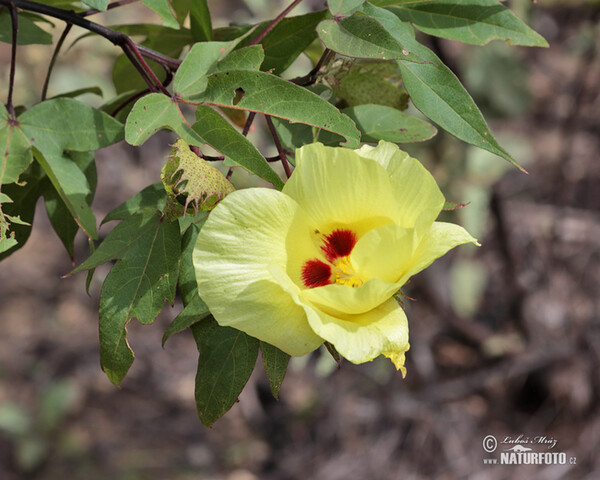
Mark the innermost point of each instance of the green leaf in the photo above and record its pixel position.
(191, 78)
(275, 362)
(366, 82)
(436, 91)
(7, 242)
(49, 129)
(195, 311)
(471, 22)
(125, 77)
(379, 122)
(153, 113)
(72, 187)
(14, 147)
(163, 9)
(188, 288)
(63, 124)
(343, 7)
(200, 22)
(60, 217)
(246, 58)
(23, 200)
(80, 91)
(290, 37)
(122, 239)
(156, 111)
(169, 41)
(219, 134)
(181, 8)
(97, 4)
(152, 196)
(268, 94)
(227, 358)
(361, 36)
(138, 284)
(28, 33)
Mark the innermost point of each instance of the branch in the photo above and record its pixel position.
(116, 38)
(13, 59)
(311, 77)
(274, 22)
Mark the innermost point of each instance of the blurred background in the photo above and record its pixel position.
(505, 339)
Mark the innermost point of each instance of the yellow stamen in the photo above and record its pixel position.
(345, 274)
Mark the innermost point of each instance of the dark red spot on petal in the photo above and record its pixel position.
(316, 273)
(338, 243)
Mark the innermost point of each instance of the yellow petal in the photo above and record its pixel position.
(361, 338)
(243, 235)
(440, 238)
(397, 358)
(336, 187)
(384, 252)
(338, 299)
(417, 194)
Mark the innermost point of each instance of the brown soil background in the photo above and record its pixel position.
(522, 358)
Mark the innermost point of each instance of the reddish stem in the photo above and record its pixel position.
(280, 150)
(274, 22)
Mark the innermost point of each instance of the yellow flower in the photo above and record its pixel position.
(321, 260)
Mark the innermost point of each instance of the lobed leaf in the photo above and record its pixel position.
(156, 111)
(137, 286)
(23, 198)
(268, 94)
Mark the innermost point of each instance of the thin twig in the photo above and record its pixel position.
(274, 22)
(59, 45)
(280, 150)
(248, 123)
(13, 59)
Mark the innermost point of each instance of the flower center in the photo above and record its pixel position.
(345, 274)
(336, 247)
